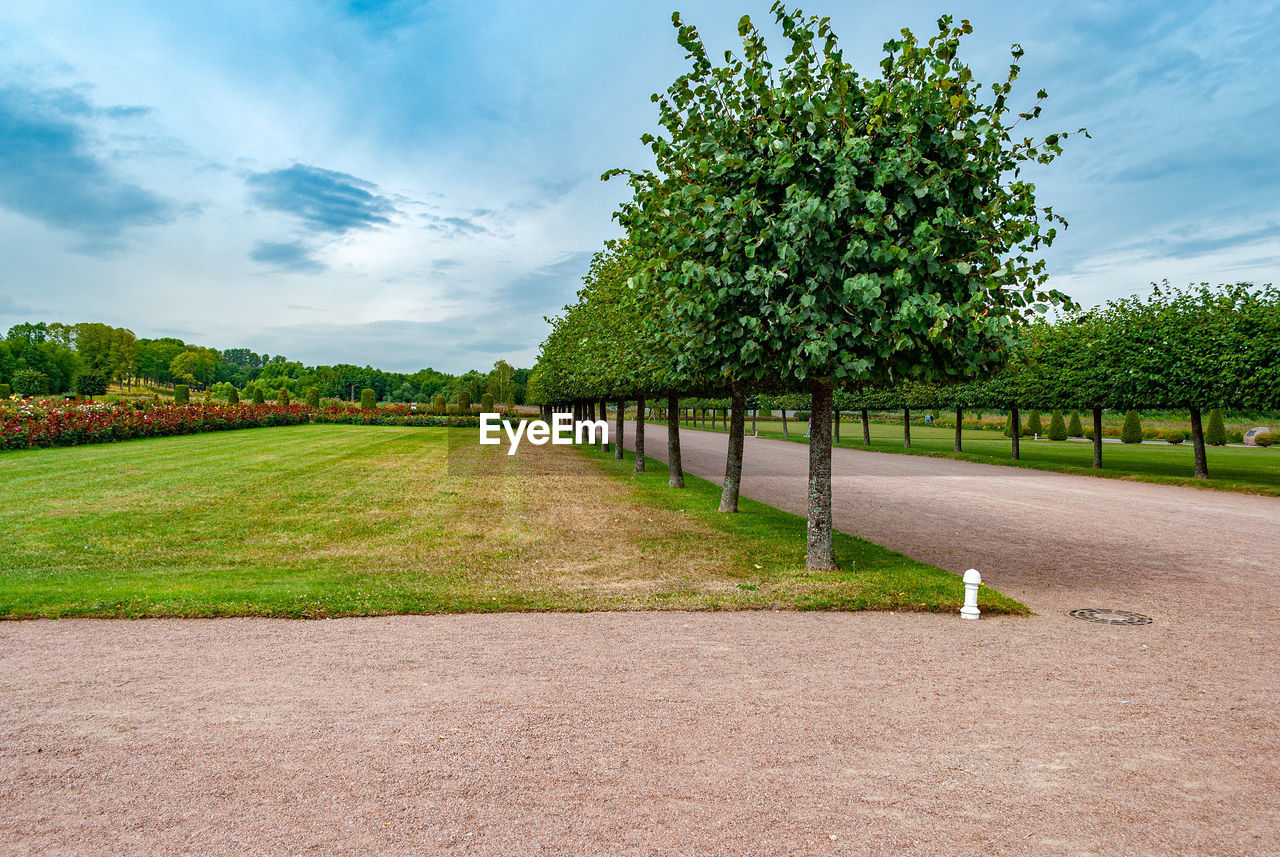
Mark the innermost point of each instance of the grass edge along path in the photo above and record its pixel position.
(326, 521)
(851, 439)
(907, 584)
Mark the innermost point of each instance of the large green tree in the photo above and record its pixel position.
(827, 228)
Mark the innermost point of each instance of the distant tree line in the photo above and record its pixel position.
(54, 358)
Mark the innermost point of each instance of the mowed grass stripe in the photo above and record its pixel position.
(313, 521)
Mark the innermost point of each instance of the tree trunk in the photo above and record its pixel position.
(1197, 440)
(785, 433)
(836, 416)
(959, 427)
(704, 417)
(604, 418)
(733, 464)
(821, 553)
(639, 435)
(676, 479)
(755, 412)
(1016, 433)
(618, 431)
(906, 427)
(866, 428)
(1097, 436)
(591, 411)
(715, 412)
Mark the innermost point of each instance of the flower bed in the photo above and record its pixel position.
(48, 422)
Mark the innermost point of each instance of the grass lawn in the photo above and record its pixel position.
(1246, 469)
(314, 521)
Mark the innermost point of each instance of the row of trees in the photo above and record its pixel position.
(809, 229)
(40, 358)
(1193, 349)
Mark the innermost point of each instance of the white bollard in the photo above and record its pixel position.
(972, 580)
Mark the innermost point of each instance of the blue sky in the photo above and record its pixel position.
(417, 183)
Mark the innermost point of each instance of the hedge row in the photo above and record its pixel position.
(48, 423)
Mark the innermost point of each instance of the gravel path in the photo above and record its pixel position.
(704, 734)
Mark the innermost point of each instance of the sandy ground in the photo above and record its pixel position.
(705, 734)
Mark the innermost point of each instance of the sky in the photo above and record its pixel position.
(410, 184)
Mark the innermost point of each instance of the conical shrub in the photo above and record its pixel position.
(368, 399)
(1034, 426)
(282, 398)
(313, 397)
(181, 394)
(258, 396)
(1057, 427)
(486, 403)
(233, 396)
(1132, 431)
(1216, 433)
(1075, 429)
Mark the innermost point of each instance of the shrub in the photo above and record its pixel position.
(181, 394)
(233, 396)
(1034, 426)
(486, 404)
(438, 404)
(1216, 433)
(5, 391)
(1175, 436)
(258, 397)
(1075, 429)
(1057, 427)
(29, 382)
(368, 399)
(464, 400)
(1008, 428)
(511, 403)
(90, 384)
(1132, 431)
(802, 416)
(282, 398)
(1235, 436)
(453, 410)
(1265, 439)
(313, 397)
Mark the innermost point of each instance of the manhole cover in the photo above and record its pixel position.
(1110, 617)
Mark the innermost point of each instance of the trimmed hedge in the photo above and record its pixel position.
(1132, 430)
(1034, 426)
(1057, 427)
(368, 399)
(49, 423)
(181, 394)
(1215, 434)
